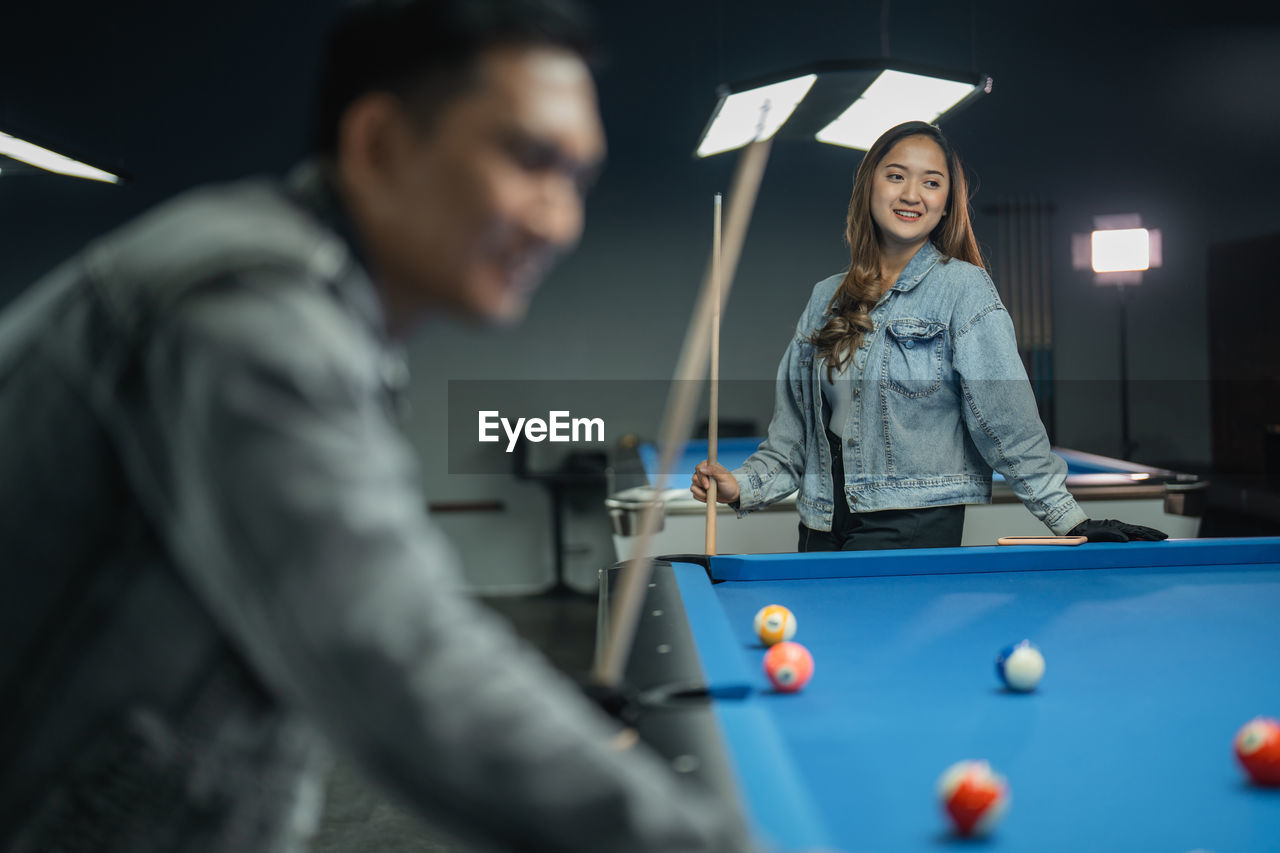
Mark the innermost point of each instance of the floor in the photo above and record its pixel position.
(361, 818)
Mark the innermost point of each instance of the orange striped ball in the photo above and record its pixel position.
(775, 623)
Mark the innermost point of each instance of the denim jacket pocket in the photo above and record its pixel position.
(801, 377)
(913, 356)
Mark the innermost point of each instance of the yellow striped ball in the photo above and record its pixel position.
(775, 623)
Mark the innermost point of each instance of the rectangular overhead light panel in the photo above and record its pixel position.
(43, 158)
(894, 97)
(756, 114)
(1121, 250)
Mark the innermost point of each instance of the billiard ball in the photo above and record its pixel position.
(1020, 666)
(973, 796)
(789, 666)
(774, 624)
(1258, 749)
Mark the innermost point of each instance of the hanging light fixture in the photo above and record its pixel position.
(848, 102)
(51, 161)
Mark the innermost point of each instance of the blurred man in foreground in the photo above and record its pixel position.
(216, 554)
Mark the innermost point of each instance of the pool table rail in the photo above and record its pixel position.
(675, 675)
(1190, 555)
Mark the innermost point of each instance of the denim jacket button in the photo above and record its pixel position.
(851, 442)
(909, 344)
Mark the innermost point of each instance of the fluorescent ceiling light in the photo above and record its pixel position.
(894, 97)
(19, 149)
(1121, 250)
(753, 115)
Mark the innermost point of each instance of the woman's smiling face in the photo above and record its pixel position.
(909, 192)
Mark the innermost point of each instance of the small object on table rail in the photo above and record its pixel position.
(1042, 540)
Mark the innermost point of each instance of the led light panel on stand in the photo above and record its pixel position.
(1121, 250)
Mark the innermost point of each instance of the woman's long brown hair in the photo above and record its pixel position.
(848, 313)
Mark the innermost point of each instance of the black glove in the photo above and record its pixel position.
(621, 702)
(1110, 530)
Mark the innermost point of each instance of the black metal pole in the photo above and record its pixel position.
(1126, 442)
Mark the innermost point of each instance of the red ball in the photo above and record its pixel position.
(789, 666)
(973, 796)
(1258, 749)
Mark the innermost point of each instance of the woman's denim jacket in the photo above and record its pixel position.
(941, 397)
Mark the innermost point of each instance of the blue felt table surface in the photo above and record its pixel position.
(1126, 745)
(730, 452)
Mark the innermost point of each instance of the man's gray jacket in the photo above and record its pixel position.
(216, 557)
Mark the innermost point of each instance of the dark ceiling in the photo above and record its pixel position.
(175, 94)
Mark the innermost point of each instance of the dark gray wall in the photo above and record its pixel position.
(1096, 115)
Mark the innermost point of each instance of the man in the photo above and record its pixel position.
(215, 549)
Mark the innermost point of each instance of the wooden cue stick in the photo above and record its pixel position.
(713, 412)
(678, 417)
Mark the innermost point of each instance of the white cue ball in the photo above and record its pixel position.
(1021, 666)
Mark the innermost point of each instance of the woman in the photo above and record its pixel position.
(902, 387)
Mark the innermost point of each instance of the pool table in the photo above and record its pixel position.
(1106, 488)
(1156, 654)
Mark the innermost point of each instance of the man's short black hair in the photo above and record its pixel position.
(424, 51)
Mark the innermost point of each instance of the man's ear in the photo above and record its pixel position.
(371, 135)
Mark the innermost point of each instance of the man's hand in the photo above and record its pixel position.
(1110, 530)
(621, 701)
(726, 486)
